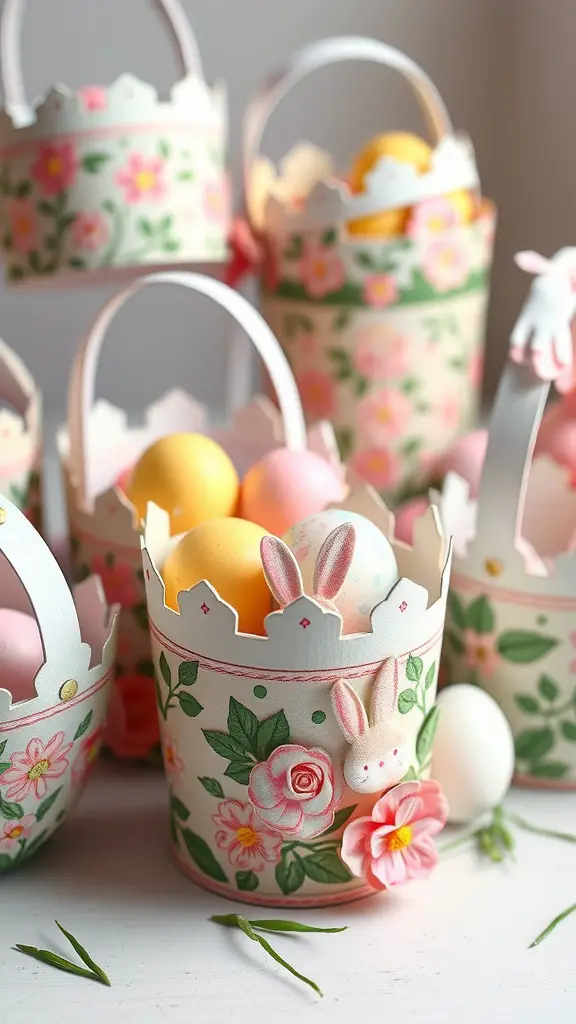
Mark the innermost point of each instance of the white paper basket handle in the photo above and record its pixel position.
(17, 386)
(333, 51)
(82, 379)
(11, 76)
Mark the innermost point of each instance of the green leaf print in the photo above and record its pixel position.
(272, 733)
(246, 881)
(534, 743)
(179, 809)
(93, 163)
(340, 359)
(568, 730)
(165, 670)
(4, 766)
(411, 446)
(185, 176)
(189, 705)
(325, 866)
(48, 803)
(414, 668)
(3, 746)
(6, 862)
(547, 688)
(341, 320)
(239, 771)
(456, 609)
(243, 725)
(12, 812)
(523, 646)
(549, 770)
(527, 703)
(223, 744)
(340, 819)
(290, 876)
(212, 786)
(426, 734)
(187, 673)
(329, 237)
(480, 616)
(406, 701)
(294, 249)
(84, 726)
(454, 641)
(345, 441)
(430, 677)
(202, 856)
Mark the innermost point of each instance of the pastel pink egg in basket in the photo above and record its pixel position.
(106, 180)
(375, 289)
(511, 609)
(20, 435)
(56, 662)
(98, 448)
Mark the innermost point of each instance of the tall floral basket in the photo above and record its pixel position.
(20, 435)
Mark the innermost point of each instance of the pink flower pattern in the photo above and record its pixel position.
(173, 764)
(118, 581)
(142, 178)
(396, 842)
(296, 791)
(89, 231)
(433, 217)
(481, 651)
(445, 264)
(317, 393)
(249, 845)
(55, 167)
(377, 466)
(383, 414)
(31, 769)
(380, 290)
(86, 757)
(93, 97)
(12, 832)
(381, 353)
(321, 270)
(23, 224)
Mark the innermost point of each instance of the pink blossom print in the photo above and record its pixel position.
(173, 764)
(249, 845)
(296, 791)
(86, 757)
(12, 832)
(93, 97)
(217, 201)
(376, 466)
(142, 178)
(89, 231)
(23, 224)
(381, 353)
(445, 264)
(55, 167)
(317, 394)
(31, 769)
(321, 270)
(118, 580)
(132, 729)
(380, 290)
(383, 415)
(433, 216)
(396, 842)
(481, 651)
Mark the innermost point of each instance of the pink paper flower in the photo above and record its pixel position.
(23, 224)
(445, 264)
(296, 790)
(381, 353)
(249, 846)
(380, 290)
(396, 842)
(86, 757)
(216, 203)
(376, 466)
(89, 231)
(172, 762)
(93, 97)
(55, 167)
(321, 270)
(142, 178)
(481, 651)
(317, 394)
(13, 831)
(30, 769)
(118, 580)
(132, 730)
(433, 217)
(383, 415)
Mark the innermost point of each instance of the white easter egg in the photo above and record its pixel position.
(473, 755)
(373, 570)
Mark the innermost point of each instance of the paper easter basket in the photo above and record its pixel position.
(511, 609)
(20, 435)
(360, 316)
(96, 448)
(48, 743)
(231, 703)
(107, 181)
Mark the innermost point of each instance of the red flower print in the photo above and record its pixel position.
(132, 730)
(23, 224)
(55, 167)
(118, 580)
(89, 231)
(142, 178)
(86, 757)
(317, 393)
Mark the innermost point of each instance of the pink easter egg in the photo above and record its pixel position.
(466, 458)
(21, 653)
(287, 486)
(405, 517)
(557, 437)
(123, 479)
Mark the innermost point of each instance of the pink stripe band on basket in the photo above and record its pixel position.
(514, 596)
(18, 723)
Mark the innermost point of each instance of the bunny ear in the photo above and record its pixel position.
(349, 710)
(532, 262)
(385, 692)
(333, 562)
(281, 570)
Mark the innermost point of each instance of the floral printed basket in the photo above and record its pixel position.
(48, 744)
(104, 179)
(512, 606)
(97, 447)
(253, 752)
(385, 335)
(20, 435)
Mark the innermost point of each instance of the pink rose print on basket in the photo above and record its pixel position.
(396, 842)
(142, 178)
(383, 415)
(23, 224)
(55, 167)
(31, 769)
(380, 290)
(172, 762)
(93, 97)
(381, 353)
(249, 845)
(14, 831)
(89, 231)
(118, 580)
(445, 264)
(132, 728)
(317, 393)
(321, 270)
(433, 217)
(86, 757)
(296, 791)
(481, 651)
(376, 466)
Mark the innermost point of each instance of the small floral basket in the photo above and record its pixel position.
(265, 737)
(20, 435)
(111, 179)
(48, 744)
(98, 445)
(384, 334)
(512, 606)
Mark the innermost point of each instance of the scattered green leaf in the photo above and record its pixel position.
(553, 924)
(236, 921)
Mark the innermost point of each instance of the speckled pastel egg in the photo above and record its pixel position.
(21, 653)
(286, 486)
(406, 515)
(466, 458)
(373, 570)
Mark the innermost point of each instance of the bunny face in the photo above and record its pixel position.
(376, 765)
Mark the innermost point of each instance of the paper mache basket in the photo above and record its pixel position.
(111, 179)
(269, 753)
(20, 435)
(511, 615)
(48, 741)
(98, 446)
(384, 334)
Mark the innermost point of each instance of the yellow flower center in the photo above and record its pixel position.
(16, 832)
(481, 652)
(436, 224)
(376, 462)
(447, 258)
(23, 224)
(54, 165)
(93, 752)
(383, 415)
(319, 268)
(400, 839)
(145, 180)
(246, 836)
(38, 770)
(382, 289)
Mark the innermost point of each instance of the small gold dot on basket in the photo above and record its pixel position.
(2, 516)
(68, 690)
(493, 566)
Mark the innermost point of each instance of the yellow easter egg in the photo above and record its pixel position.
(403, 146)
(464, 203)
(226, 553)
(188, 475)
(388, 222)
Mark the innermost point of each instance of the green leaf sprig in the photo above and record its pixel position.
(251, 929)
(560, 917)
(495, 840)
(45, 956)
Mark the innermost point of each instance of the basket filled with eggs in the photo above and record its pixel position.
(111, 180)
(56, 662)
(196, 471)
(375, 279)
(20, 435)
(512, 605)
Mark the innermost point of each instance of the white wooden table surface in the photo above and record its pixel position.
(450, 950)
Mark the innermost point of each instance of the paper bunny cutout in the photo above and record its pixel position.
(283, 574)
(380, 753)
(541, 334)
